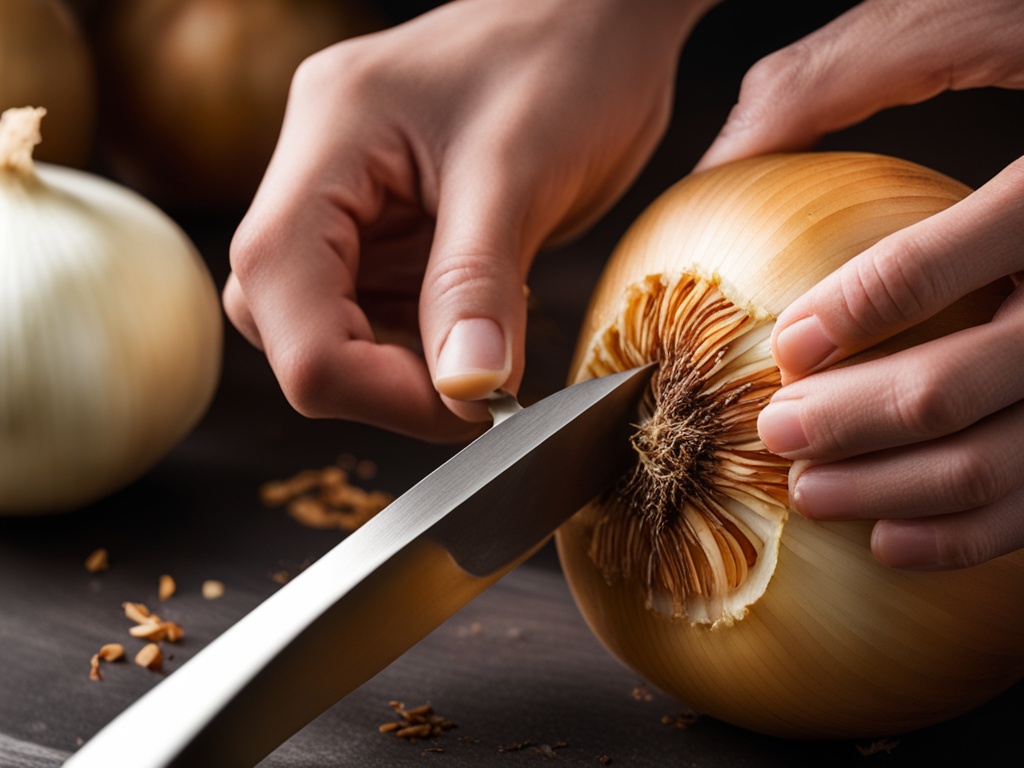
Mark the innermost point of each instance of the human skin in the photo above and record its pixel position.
(926, 441)
(418, 172)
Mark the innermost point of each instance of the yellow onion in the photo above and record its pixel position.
(44, 59)
(194, 91)
(693, 571)
(110, 330)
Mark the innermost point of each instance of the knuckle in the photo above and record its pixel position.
(962, 552)
(890, 289)
(769, 82)
(464, 271)
(975, 480)
(246, 245)
(348, 66)
(780, 71)
(234, 303)
(311, 73)
(957, 550)
(304, 379)
(928, 405)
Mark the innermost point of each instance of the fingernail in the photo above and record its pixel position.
(820, 494)
(779, 427)
(802, 346)
(474, 361)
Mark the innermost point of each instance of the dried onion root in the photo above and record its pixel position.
(699, 518)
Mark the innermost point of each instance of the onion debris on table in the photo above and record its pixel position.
(108, 652)
(692, 571)
(110, 330)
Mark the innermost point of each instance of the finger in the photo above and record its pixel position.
(322, 348)
(473, 304)
(237, 311)
(974, 468)
(905, 278)
(952, 541)
(295, 257)
(880, 54)
(935, 389)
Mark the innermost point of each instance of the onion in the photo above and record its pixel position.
(110, 331)
(44, 60)
(692, 571)
(194, 91)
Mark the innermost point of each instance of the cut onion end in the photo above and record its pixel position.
(697, 521)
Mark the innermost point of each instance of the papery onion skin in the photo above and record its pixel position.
(837, 646)
(45, 60)
(110, 338)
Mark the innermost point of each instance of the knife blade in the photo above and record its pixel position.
(385, 586)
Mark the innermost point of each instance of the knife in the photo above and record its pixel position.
(384, 587)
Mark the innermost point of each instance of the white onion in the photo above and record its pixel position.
(110, 331)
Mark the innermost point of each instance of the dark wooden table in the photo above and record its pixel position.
(517, 670)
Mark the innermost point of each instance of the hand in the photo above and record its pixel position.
(417, 173)
(926, 441)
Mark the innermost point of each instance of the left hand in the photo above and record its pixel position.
(926, 441)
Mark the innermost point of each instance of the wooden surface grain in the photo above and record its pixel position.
(517, 669)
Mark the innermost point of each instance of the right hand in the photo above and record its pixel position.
(418, 172)
(925, 441)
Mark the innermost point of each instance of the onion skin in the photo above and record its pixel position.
(193, 91)
(838, 646)
(45, 61)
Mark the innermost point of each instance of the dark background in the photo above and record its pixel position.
(517, 664)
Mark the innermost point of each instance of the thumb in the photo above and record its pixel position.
(473, 302)
(879, 54)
